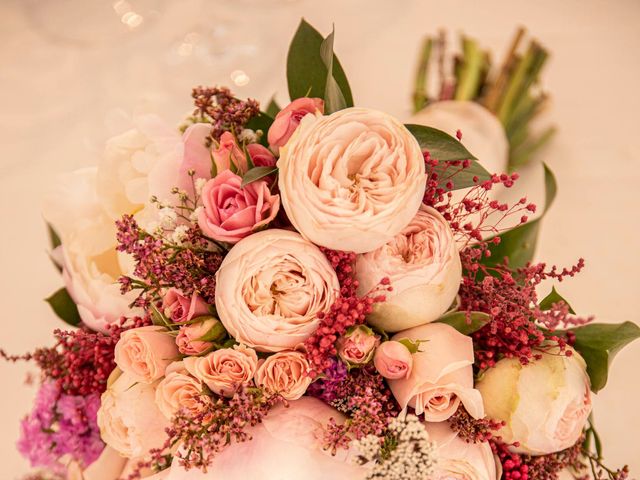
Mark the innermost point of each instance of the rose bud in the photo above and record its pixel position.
(261, 156)
(393, 360)
(357, 346)
(180, 308)
(545, 403)
(229, 154)
(288, 119)
(145, 352)
(197, 338)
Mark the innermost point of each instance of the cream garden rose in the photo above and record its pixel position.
(179, 390)
(545, 403)
(129, 420)
(351, 180)
(144, 353)
(441, 376)
(423, 265)
(270, 289)
(461, 460)
(225, 370)
(285, 373)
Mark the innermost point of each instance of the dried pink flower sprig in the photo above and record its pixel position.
(202, 436)
(225, 112)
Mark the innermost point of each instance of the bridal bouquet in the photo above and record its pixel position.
(318, 292)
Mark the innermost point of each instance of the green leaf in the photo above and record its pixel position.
(273, 108)
(54, 238)
(261, 122)
(459, 321)
(598, 343)
(460, 177)
(412, 345)
(64, 307)
(519, 244)
(333, 96)
(553, 297)
(256, 173)
(440, 145)
(307, 73)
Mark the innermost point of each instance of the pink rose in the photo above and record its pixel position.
(144, 353)
(261, 156)
(393, 360)
(224, 370)
(288, 119)
(179, 390)
(197, 338)
(356, 347)
(227, 153)
(180, 308)
(286, 373)
(351, 180)
(423, 265)
(271, 287)
(232, 212)
(442, 374)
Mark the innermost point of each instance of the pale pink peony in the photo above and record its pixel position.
(356, 346)
(461, 460)
(442, 374)
(179, 390)
(190, 337)
(352, 180)
(270, 289)
(144, 353)
(393, 360)
(288, 119)
(180, 308)
(231, 212)
(285, 373)
(288, 444)
(545, 403)
(224, 371)
(423, 265)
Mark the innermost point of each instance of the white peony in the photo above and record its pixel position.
(545, 403)
(91, 265)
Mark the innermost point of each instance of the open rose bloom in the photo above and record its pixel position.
(307, 292)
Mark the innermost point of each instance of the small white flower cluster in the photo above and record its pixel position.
(199, 185)
(248, 136)
(179, 234)
(414, 455)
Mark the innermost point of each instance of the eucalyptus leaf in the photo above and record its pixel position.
(554, 297)
(333, 96)
(460, 321)
(598, 343)
(307, 73)
(64, 307)
(441, 146)
(519, 244)
(256, 173)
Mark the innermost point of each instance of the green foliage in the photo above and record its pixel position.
(64, 307)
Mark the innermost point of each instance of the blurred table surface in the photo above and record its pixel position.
(69, 67)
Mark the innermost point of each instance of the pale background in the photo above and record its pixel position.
(65, 66)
